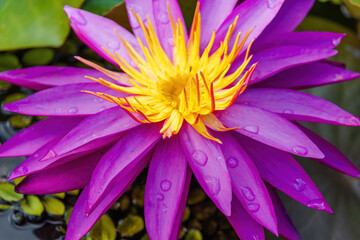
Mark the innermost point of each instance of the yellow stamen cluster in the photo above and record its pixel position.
(189, 87)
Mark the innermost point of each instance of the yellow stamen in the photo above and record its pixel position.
(189, 87)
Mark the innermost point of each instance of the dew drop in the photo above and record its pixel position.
(164, 208)
(339, 77)
(300, 150)
(113, 45)
(232, 162)
(253, 207)
(248, 193)
(98, 100)
(73, 110)
(318, 204)
(351, 120)
(256, 238)
(165, 185)
(170, 41)
(49, 155)
(163, 17)
(78, 18)
(159, 196)
(23, 170)
(299, 185)
(288, 111)
(213, 185)
(336, 41)
(252, 129)
(272, 3)
(199, 157)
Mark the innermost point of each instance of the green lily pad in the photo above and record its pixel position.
(104, 229)
(194, 235)
(54, 206)
(20, 121)
(14, 97)
(131, 225)
(5, 206)
(40, 56)
(7, 192)
(59, 195)
(100, 6)
(9, 61)
(68, 215)
(18, 180)
(32, 205)
(33, 23)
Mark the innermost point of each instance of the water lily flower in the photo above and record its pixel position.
(219, 102)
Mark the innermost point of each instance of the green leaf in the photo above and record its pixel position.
(59, 195)
(9, 61)
(54, 206)
(188, 9)
(33, 23)
(18, 180)
(131, 225)
(68, 215)
(5, 206)
(353, 6)
(100, 6)
(36, 57)
(7, 192)
(32, 205)
(104, 229)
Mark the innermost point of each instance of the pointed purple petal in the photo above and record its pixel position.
(163, 23)
(247, 183)
(286, 227)
(245, 227)
(164, 188)
(269, 128)
(208, 165)
(66, 177)
(308, 76)
(39, 78)
(32, 138)
(282, 171)
(295, 105)
(255, 14)
(213, 13)
(65, 100)
(106, 123)
(120, 159)
(333, 157)
(97, 32)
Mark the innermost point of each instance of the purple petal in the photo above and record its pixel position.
(286, 227)
(282, 171)
(213, 13)
(295, 105)
(288, 18)
(120, 160)
(245, 227)
(269, 128)
(106, 123)
(144, 8)
(32, 138)
(164, 188)
(97, 32)
(247, 183)
(66, 177)
(81, 221)
(39, 78)
(255, 14)
(163, 23)
(65, 100)
(208, 165)
(274, 60)
(308, 76)
(333, 157)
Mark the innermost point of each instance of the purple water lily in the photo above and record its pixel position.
(214, 102)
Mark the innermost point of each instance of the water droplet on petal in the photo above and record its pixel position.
(98, 100)
(232, 162)
(299, 185)
(256, 238)
(49, 155)
(165, 185)
(78, 18)
(113, 45)
(288, 111)
(351, 120)
(272, 3)
(159, 196)
(73, 110)
(339, 77)
(336, 41)
(163, 17)
(213, 185)
(318, 204)
(170, 41)
(248, 193)
(23, 170)
(164, 208)
(253, 207)
(300, 150)
(252, 129)
(199, 157)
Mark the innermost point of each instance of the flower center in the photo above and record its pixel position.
(189, 87)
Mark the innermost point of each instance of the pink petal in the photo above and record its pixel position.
(333, 157)
(165, 186)
(282, 171)
(97, 32)
(247, 183)
(163, 23)
(295, 105)
(245, 227)
(208, 165)
(32, 138)
(286, 227)
(269, 128)
(120, 159)
(65, 100)
(308, 76)
(106, 123)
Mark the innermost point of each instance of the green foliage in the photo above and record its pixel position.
(100, 6)
(9, 61)
(104, 229)
(8, 193)
(131, 225)
(53, 206)
(32, 205)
